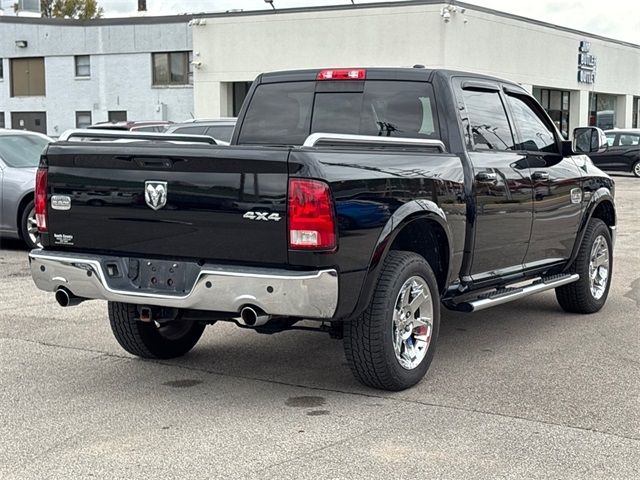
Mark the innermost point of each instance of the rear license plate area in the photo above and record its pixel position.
(162, 275)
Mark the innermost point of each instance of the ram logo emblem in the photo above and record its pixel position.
(265, 216)
(155, 194)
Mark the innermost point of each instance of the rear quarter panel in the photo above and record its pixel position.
(374, 191)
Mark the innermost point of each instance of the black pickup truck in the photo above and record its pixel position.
(358, 200)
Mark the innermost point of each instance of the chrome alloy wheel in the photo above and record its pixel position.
(412, 322)
(636, 169)
(599, 267)
(32, 228)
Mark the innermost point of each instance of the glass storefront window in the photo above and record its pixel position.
(602, 110)
(556, 103)
(636, 112)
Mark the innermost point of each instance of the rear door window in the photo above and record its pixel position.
(485, 123)
(286, 113)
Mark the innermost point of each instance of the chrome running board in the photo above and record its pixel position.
(509, 294)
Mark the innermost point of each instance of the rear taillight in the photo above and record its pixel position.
(312, 224)
(342, 74)
(41, 199)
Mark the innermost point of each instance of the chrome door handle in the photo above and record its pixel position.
(486, 177)
(540, 176)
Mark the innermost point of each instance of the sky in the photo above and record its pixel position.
(619, 19)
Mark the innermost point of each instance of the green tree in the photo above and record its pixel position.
(82, 9)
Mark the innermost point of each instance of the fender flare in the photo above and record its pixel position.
(602, 194)
(403, 216)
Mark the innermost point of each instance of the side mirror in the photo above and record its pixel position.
(589, 140)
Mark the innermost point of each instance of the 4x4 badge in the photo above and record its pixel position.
(266, 216)
(155, 194)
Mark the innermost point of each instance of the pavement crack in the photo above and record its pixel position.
(456, 408)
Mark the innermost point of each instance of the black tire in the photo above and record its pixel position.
(368, 339)
(577, 297)
(24, 226)
(636, 169)
(146, 340)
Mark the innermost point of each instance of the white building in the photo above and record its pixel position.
(234, 48)
(59, 74)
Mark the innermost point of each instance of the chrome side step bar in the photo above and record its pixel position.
(509, 294)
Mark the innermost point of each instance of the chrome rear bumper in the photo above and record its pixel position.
(218, 288)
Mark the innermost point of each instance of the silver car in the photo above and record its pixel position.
(19, 157)
(221, 129)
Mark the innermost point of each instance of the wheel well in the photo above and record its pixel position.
(23, 204)
(605, 212)
(428, 239)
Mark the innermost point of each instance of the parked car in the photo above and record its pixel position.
(622, 153)
(19, 157)
(220, 129)
(471, 199)
(158, 126)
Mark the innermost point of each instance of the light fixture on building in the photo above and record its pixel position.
(270, 2)
(449, 11)
(21, 43)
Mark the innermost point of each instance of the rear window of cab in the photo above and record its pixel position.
(287, 113)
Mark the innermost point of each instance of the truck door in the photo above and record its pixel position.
(502, 183)
(556, 182)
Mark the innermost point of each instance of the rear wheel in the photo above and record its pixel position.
(29, 226)
(150, 339)
(594, 264)
(636, 169)
(391, 345)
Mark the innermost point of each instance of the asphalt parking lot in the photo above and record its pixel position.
(520, 391)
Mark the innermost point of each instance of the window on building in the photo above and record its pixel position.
(117, 116)
(486, 125)
(1, 119)
(602, 110)
(83, 119)
(27, 77)
(534, 134)
(557, 104)
(636, 113)
(172, 68)
(1, 68)
(240, 90)
(83, 66)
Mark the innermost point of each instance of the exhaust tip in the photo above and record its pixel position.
(249, 316)
(253, 316)
(62, 297)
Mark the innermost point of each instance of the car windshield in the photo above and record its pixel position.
(22, 151)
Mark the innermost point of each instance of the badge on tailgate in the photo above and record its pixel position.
(155, 194)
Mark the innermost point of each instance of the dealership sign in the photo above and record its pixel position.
(586, 63)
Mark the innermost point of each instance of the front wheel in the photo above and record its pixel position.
(391, 345)
(149, 339)
(636, 169)
(594, 264)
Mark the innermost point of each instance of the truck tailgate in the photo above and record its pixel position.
(169, 200)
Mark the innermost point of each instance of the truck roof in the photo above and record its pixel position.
(417, 73)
